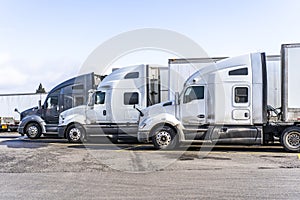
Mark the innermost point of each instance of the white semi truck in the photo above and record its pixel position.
(227, 102)
(110, 111)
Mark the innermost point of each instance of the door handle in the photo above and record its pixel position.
(246, 115)
(104, 112)
(201, 116)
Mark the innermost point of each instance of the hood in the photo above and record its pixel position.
(164, 107)
(30, 111)
(76, 110)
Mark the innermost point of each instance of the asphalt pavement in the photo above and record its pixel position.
(52, 168)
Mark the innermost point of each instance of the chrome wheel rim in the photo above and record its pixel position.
(293, 139)
(163, 138)
(75, 134)
(32, 131)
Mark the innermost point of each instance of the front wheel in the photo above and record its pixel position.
(33, 131)
(75, 134)
(290, 139)
(165, 137)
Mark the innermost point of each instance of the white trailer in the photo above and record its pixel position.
(9, 102)
(110, 111)
(228, 102)
(182, 68)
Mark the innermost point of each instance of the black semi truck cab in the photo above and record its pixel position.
(68, 94)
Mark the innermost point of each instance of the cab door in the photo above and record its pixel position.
(192, 107)
(98, 113)
(50, 111)
(241, 113)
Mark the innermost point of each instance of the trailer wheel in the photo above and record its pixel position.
(75, 133)
(164, 137)
(290, 139)
(33, 130)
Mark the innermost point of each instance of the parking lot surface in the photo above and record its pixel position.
(50, 168)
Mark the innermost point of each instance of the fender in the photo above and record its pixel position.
(76, 115)
(31, 118)
(151, 122)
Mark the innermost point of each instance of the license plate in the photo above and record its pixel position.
(4, 126)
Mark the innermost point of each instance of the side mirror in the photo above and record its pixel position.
(141, 113)
(91, 98)
(40, 104)
(16, 110)
(91, 102)
(177, 100)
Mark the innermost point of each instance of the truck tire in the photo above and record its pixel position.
(75, 133)
(164, 137)
(290, 139)
(33, 130)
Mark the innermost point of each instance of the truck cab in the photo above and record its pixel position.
(216, 104)
(44, 119)
(113, 108)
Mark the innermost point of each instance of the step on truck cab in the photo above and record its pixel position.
(227, 102)
(44, 118)
(110, 111)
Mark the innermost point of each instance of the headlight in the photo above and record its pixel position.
(61, 119)
(144, 123)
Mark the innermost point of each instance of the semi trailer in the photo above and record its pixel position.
(43, 119)
(240, 100)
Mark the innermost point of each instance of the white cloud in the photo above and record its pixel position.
(21, 76)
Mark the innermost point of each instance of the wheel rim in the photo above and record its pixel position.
(32, 131)
(293, 139)
(75, 134)
(163, 138)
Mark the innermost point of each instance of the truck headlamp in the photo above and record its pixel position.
(144, 123)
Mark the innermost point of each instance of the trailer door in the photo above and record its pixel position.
(193, 113)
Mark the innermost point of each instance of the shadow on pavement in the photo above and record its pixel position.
(16, 141)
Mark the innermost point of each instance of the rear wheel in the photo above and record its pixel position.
(290, 139)
(75, 133)
(33, 130)
(164, 137)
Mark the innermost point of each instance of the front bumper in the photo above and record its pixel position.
(143, 136)
(61, 131)
(21, 128)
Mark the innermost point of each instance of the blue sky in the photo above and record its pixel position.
(47, 40)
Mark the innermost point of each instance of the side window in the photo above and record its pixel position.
(100, 97)
(239, 72)
(52, 103)
(131, 98)
(79, 101)
(78, 87)
(52, 100)
(192, 93)
(241, 95)
(131, 75)
(68, 101)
